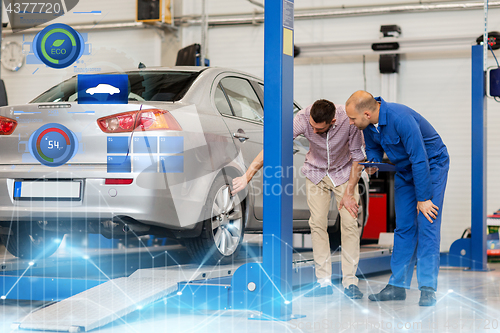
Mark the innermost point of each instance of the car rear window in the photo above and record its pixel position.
(143, 86)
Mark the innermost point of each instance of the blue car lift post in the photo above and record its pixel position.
(269, 285)
(471, 252)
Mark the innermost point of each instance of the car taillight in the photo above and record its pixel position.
(144, 120)
(7, 125)
(118, 181)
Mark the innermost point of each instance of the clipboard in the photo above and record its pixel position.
(381, 166)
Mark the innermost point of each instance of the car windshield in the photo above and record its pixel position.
(143, 86)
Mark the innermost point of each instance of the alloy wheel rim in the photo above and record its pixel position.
(226, 220)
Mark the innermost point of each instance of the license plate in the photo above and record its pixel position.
(48, 190)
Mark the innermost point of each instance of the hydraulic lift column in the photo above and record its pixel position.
(278, 158)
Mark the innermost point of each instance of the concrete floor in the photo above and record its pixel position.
(467, 302)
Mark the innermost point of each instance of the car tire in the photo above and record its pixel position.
(29, 241)
(335, 236)
(223, 226)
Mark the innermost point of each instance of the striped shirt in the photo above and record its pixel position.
(334, 150)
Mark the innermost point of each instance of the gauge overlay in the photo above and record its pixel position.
(53, 144)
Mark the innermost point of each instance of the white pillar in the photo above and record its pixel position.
(389, 87)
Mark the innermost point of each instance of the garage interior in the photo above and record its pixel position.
(418, 53)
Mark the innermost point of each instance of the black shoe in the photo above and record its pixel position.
(389, 293)
(427, 297)
(353, 292)
(319, 291)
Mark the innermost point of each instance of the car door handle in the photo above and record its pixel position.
(240, 136)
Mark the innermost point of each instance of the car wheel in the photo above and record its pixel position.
(335, 236)
(223, 226)
(29, 241)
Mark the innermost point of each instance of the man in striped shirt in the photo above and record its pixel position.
(331, 165)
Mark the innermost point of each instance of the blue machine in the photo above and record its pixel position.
(494, 79)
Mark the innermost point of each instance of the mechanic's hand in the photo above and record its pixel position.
(371, 170)
(239, 183)
(350, 204)
(429, 210)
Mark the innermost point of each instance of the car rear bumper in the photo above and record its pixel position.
(152, 199)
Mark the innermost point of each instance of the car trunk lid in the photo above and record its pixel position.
(78, 119)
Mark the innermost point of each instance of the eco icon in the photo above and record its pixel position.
(58, 45)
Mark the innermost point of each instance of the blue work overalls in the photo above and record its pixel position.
(422, 160)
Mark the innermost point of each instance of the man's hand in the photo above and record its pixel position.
(350, 204)
(429, 210)
(239, 183)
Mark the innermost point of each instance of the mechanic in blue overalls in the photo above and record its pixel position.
(422, 161)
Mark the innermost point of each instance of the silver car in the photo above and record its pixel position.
(159, 163)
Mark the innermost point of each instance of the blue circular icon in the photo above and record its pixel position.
(53, 144)
(58, 45)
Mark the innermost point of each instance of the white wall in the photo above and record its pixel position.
(436, 84)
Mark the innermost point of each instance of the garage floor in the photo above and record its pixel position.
(467, 302)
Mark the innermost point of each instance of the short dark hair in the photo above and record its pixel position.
(323, 111)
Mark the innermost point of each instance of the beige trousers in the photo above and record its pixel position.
(318, 199)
